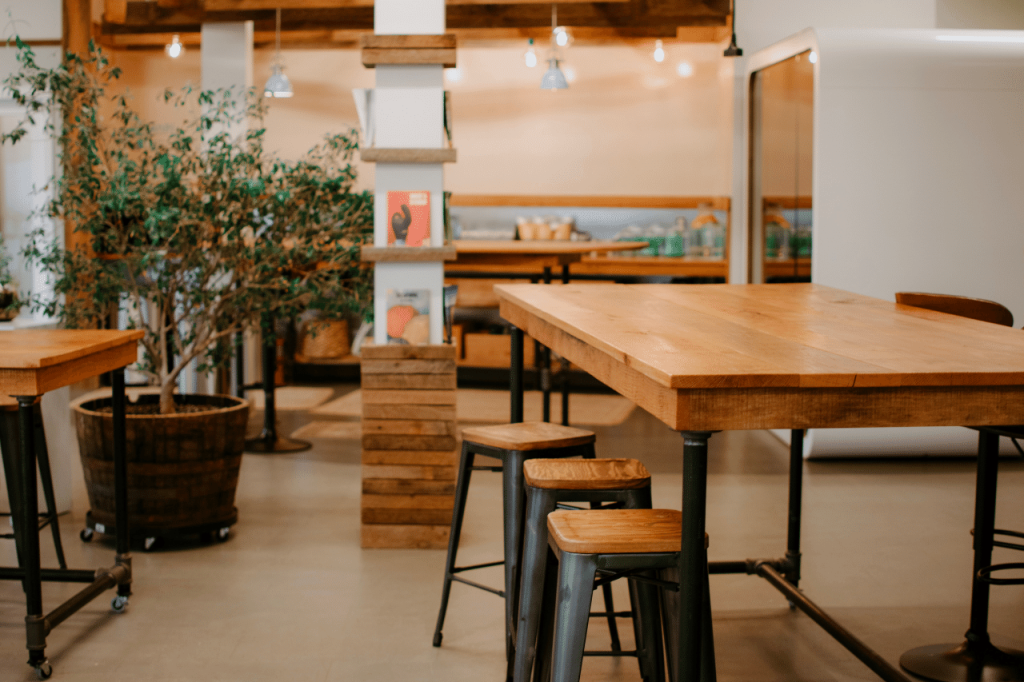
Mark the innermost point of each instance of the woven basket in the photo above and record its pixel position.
(330, 340)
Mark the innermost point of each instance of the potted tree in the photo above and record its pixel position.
(193, 234)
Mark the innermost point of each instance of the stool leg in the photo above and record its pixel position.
(9, 445)
(670, 604)
(461, 488)
(514, 502)
(575, 592)
(46, 477)
(546, 633)
(647, 626)
(609, 609)
(539, 503)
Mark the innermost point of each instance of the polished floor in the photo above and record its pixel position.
(291, 596)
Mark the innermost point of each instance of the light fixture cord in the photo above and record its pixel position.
(277, 37)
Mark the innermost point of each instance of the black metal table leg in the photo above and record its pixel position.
(269, 441)
(564, 367)
(796, 487)
(516, 376)
(692, 562)
(122, 531)
(34, 626)
(976, 659)
(545, 368)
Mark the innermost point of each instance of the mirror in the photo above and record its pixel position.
(782, 133)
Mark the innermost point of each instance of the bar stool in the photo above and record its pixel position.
(550, 483)
(513, 444)
(10, 440)
(630, 543)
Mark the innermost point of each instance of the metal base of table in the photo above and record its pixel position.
(276, 444)
(965, 662)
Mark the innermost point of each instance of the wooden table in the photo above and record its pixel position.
(704, 358)
(475, 258)
(33, 362)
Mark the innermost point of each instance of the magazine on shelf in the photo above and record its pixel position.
(408, 218)
(408, 317)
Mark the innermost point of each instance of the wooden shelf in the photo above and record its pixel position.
(718, 203)
(408, 49)
(787, 268)
(407, 254)
(651, 265)
(397, 155)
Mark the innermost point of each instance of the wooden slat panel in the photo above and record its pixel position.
(385, 42)
(414, 457)
(429, 517)
(386, 155)
(408, 502)
(408, 411)
(390, 397)
(409, 383)
(428, 473)
(409, 427)
(371, 57)
(380, 536)
(402, 352)
(431, 367)
(391, 442)
(407, 486)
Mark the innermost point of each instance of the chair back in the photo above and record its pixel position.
(974, 308)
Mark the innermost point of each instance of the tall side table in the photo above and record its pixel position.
(33, 362)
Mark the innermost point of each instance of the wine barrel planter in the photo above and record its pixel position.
(182, 468)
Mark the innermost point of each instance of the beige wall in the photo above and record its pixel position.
(627, 125)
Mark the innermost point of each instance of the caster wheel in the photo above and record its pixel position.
(86, 535)
(119, 604)
(437, 638)
(223, 534)
(149, 545)
(44, 670)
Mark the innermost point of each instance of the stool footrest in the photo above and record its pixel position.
(985, 574)
(485, 588)
(610, 653)
(1009, 545)
(460, 569)
(609, 576)
(486, 468)
(617, 614)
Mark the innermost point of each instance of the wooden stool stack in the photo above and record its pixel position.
(512, 445)
(408, 396)
(637, 543)
(602, 483)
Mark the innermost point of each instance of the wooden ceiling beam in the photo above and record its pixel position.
(244, 5)
(188, 15)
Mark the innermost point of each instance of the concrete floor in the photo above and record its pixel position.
(291, 596)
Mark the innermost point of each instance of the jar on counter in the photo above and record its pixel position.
(675, 240)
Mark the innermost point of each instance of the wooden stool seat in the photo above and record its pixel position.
(586, 474)
(617, 531)
(528, 436)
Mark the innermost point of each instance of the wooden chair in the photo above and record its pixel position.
(976, 658)
(974, 308)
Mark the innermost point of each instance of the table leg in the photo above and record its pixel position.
(29, 513)
(516, 376)
(976, 659)
(268, 441)
(796, 487)
(564, 366)
(692, 562)
(121, 529)
(545, 367)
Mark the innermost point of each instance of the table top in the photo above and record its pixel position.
(777, 355)
(34, 361)
(541, 246)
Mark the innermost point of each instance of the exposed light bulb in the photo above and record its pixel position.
(570, 74)
(659, 52)
(561, 36)
(531, 56)
(813, 57)
(684, 69)
(174, 49)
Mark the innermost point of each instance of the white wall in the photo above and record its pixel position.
(30, 19)
(997, 14)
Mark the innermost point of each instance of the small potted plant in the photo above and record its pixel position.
(193, 234)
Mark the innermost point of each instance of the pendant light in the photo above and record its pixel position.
(733, 50)
(531, 55)
(278, 84)
(553, 78)
(174, 49)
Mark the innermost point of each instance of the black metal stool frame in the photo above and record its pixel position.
(513, 503)
(539, 503)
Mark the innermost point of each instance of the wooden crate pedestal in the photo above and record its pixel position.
(409, 457)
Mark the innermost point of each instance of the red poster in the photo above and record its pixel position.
(409, 218)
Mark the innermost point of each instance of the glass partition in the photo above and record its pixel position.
(782, 133)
